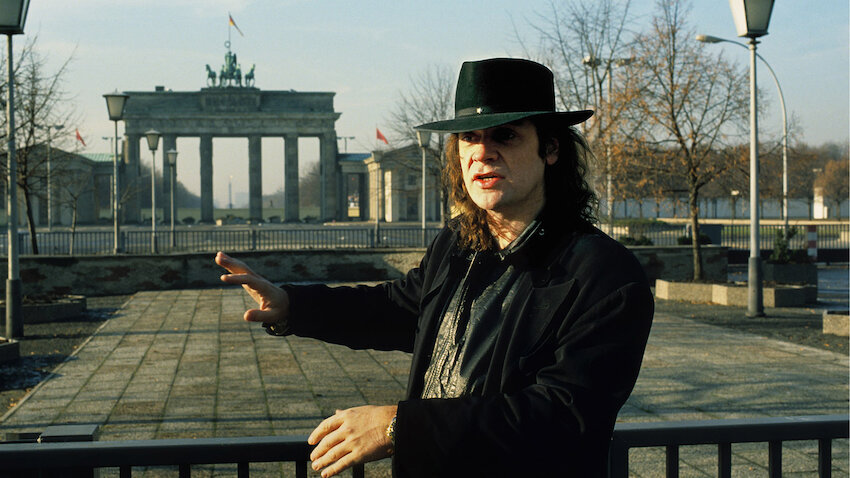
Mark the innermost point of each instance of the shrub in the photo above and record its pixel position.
(640, 241)
(686, 241)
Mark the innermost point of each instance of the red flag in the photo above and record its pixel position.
(233, 24)
(381, 136)
(80, 138)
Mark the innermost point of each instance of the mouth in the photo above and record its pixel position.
(487, 180)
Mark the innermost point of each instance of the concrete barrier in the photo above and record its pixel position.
(126, 274)
(836, 322)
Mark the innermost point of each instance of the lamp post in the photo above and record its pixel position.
(712, 39)
(172, 161)
(115, 103)
(153, 142)
(13, 16)
(50, 129)
(424, 138)
(751, 20)
(594, 63)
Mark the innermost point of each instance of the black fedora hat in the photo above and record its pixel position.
(502, 90)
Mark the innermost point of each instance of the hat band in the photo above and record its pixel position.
(486, 110)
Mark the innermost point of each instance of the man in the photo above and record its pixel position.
(527, 324)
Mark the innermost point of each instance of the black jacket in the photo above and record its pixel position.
(566, 358)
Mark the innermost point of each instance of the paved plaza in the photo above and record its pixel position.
(183, 364)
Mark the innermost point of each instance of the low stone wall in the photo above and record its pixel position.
(126, 274)
(675, 263)
(735, 294)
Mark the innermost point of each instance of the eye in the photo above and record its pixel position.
(468, 137)
(504, 135)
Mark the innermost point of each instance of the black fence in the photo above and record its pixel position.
(81, 458)
(833, 240)
(723, 433)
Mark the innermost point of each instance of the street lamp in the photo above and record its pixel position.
(172, 162)
(594, 63)
(424, 138)
(153, 142)
(115, 103)
(13, 16)
(50, 129)
(712, 39)
(751, 20)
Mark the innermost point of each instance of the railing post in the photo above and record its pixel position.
(824, 458)
(774, 459)
(724, 460)
(672, 461)
(618, 459)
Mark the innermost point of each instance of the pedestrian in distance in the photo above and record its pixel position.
(526, 323)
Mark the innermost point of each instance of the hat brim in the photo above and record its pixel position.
(484, 121)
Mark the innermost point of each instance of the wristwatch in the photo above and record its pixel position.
(277, 329)
(391, 431)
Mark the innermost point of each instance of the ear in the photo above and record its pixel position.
(551, 152)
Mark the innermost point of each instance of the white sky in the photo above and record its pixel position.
(366, 51)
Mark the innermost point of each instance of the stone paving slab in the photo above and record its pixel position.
(183, 364)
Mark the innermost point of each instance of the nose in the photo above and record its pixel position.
(483, 150)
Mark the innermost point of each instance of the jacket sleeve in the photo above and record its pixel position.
(381, 317)
(558, 422)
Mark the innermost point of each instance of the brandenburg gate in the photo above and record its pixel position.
(234, 111)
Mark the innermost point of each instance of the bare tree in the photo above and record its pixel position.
(584, 43)
(41, 103)
(429, 97)
(690, 105)
(73, 185)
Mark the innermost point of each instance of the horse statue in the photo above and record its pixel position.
(249, 78)
(210, 76)
(229, 71)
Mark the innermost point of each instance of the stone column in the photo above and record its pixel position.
(206, 150)
(255, 179)
(169, 142)
(129, 196)
(291, 212)
(363, 193)
(331, 186)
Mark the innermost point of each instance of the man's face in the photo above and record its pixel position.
(502, 170)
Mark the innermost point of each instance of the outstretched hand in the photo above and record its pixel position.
(273, 301)
(350, 437)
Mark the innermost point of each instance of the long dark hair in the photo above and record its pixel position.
(569, 197)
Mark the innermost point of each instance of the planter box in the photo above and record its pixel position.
(9, 350)
(734, 294)
(61, 308)
(790, 273)
(685, 291)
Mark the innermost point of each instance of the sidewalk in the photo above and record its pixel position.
(184, 364)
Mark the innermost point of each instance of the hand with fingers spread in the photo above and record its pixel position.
(272, 300)
(353, 436)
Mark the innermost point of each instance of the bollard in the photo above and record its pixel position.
(812, 241)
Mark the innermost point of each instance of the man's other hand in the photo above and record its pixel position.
(349, 437)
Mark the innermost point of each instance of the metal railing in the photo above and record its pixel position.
(100, 242)
(179, 453)
(211, 239)
(183, 453)
(723, 433)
